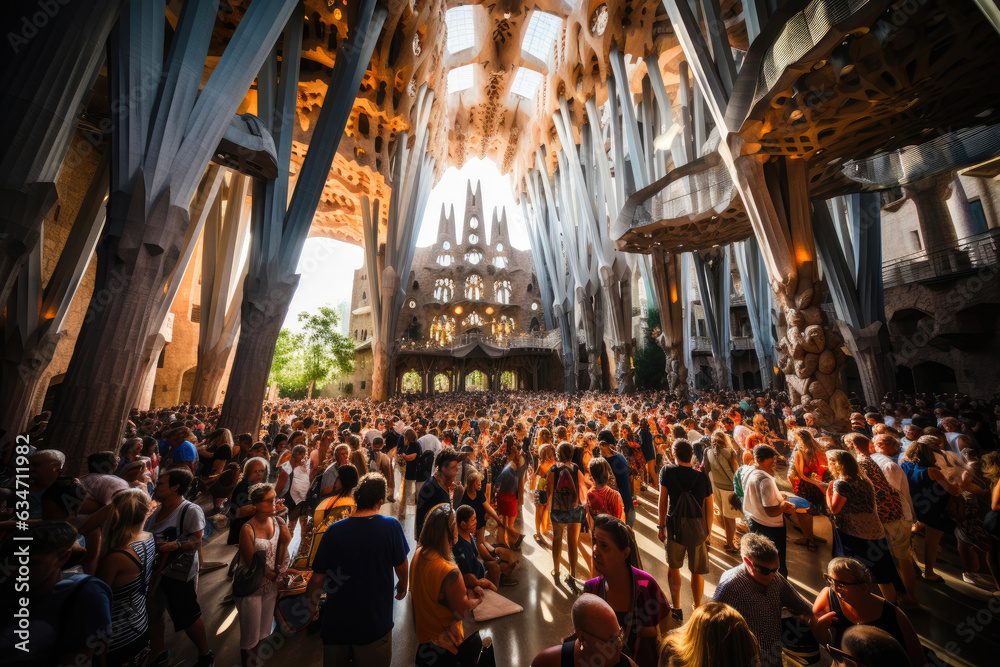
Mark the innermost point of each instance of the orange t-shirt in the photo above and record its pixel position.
(433, 620)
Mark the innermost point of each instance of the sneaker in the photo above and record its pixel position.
(207, 660)
(161, 660)
(677, 615)
(211, 566)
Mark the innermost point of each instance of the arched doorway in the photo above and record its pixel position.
(930, 376)
(508, 381)
(411, 383)
(442, 382)
(476, 381)
(187, 384)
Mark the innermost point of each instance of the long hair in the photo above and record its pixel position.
(621, 535)
(716, 636)
(807, 444)
(845, 466)
(436, 534)
(348, 476)
(128, 512)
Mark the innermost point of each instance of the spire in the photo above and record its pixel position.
(442, 225)
(452, 226)
(504, 236)
(494, 228)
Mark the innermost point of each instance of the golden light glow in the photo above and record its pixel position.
(337, 15)
(489, 310)
(458, 310)
(802, 255)
(673, 294)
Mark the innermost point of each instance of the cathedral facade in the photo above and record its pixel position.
(473, 317)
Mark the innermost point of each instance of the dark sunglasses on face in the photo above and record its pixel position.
(837, 583)
(760, 569)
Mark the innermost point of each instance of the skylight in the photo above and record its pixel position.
(461, 32)
(526, 83)
(460, 78)
(541, 32)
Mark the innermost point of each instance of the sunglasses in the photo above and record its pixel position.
(614, 639)
(760, 569)
(837, 583)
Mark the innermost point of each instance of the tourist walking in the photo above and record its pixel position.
(262, 533)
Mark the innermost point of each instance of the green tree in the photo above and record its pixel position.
(325, 353)
(649, 359)
(312, 357)
(286, 370)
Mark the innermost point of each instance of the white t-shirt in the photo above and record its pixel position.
(759, 491)
(897, 480)
(370, 436)
(165, 529)
(300, 481)
(693, 436)
(429, 443)
(740, 433)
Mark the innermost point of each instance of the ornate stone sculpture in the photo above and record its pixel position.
(810, 353)
(623, 368)
(594, 370)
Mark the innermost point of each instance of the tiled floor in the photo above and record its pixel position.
(960, 623)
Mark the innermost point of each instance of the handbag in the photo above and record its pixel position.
(247, 579)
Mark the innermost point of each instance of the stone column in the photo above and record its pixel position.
(930, 196)
(961, 212)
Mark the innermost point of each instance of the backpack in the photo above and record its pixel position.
(686, 520)
(565, 495)
(331, 516)
(425, 465)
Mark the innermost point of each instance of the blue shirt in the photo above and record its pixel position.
(358, 555)
(467, 557)
(185, 453)
(619, 467)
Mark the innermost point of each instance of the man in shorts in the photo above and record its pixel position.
(177, 526)
(674, 481)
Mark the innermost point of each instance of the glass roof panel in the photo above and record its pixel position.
(526, 83)
(541, 33)
(460, 78)
(461, 31)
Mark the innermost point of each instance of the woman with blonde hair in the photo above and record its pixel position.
(474, 496)
(720, 465)
(809, 475)
(126, 567)
(263, 532)
(543, 522)
(859, 533)
(715, 636)
(437, 589)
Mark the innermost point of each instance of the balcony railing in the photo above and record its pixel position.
(939, 263)
(701, 344)
(548, 340)
(742, 342)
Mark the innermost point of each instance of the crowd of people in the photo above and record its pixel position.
(313, 502)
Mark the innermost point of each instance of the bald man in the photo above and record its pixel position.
(598, 640)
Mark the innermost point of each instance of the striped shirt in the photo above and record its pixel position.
(128, 601)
